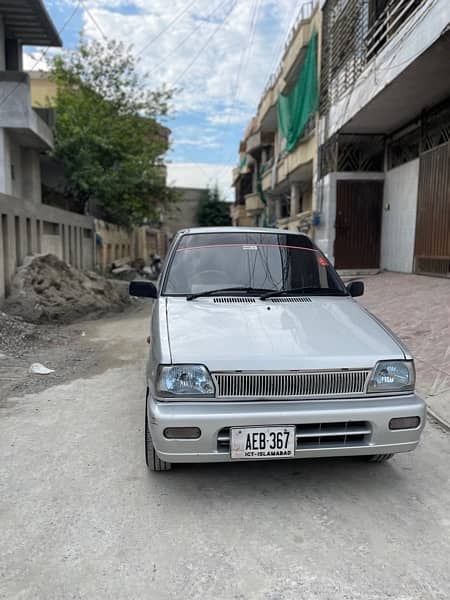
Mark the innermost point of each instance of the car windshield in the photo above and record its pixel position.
(255, 261)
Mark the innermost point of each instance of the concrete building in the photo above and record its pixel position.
(274, 181)
(27, 225)
(384, 159)
(183, 213)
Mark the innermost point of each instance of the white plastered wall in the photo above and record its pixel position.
(399, 217)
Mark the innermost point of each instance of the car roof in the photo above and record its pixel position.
(195, 230)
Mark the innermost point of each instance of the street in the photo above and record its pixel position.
(82, 518)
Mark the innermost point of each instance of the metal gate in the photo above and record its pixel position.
(358, 224)
(432, 246)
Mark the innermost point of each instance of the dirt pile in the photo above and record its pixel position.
(46, 289)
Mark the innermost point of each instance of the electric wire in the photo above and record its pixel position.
(193, 31)
(206, 44)
(167, 27)
(94, 21)
(43, 54)
(278, 54)
(245, 55)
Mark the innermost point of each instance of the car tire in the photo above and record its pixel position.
(154, 463)
(379, 458)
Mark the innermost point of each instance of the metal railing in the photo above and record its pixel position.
(387, 24)
(306, 11)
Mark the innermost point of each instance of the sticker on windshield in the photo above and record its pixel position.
(249, 247)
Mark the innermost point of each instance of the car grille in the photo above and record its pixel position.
(292, 300)
(291, 385)
(318, 435)
(234, 300)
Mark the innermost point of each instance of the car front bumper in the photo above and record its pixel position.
(326, 416)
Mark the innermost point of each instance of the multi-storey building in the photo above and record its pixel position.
(27, 225)
(274, 181)
(374, 165)
(384, 157)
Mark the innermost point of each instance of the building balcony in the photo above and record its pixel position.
(411, 42)
(236, 172)
(258, 140)
(296, 47)
(239, 216)
(253, 205)
(300, 222)
(16, 114)
(308, 19)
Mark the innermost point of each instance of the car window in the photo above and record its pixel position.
(204, 262)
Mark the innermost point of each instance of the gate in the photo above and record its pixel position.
(432, 246)
(358, 224)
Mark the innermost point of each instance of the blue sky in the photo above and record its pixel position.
(220, 53)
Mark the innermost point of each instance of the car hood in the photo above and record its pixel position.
(326, 333)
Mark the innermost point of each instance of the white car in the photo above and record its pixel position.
(258, 351)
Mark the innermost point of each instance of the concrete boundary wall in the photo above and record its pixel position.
(31, 228)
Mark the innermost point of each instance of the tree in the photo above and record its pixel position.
(107, 133)
(213, 210)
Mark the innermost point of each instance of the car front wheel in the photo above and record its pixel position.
(154, 463)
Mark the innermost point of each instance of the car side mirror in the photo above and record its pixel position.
(355, 288)
(143, 289)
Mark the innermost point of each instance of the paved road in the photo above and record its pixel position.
(417, 308)
(81, 517)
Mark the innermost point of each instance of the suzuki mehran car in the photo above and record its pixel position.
(258, 351)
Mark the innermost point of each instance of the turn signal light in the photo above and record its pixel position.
(404, 423)
(182, 433)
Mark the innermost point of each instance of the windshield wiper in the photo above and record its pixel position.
(247, 290)
(305, 290)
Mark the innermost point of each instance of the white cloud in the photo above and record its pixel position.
(205, 47)
(35, 61)
(200, 175)
(216, 76)
(230, 116)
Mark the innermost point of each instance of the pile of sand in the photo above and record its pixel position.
(46, 289)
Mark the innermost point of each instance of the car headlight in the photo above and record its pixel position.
(185, 380)
(392, 376)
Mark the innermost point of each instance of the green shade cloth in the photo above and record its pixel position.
(296, 108)
(243, 163)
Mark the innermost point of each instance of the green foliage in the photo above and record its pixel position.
(107, 134)
(213, 211)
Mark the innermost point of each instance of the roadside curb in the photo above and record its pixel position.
(439, 420)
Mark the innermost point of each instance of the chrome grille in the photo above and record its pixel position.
(300, 384)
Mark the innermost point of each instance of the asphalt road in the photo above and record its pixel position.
(82, 518)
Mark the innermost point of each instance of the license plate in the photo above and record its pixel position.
(262, 442)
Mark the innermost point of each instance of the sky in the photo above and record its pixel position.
(219, 55)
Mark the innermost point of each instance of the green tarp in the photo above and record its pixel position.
(295, 109)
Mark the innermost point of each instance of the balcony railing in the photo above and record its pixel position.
(306, 11)
(253, 204)
(387, 23)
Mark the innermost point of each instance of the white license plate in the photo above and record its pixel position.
(262, 442)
